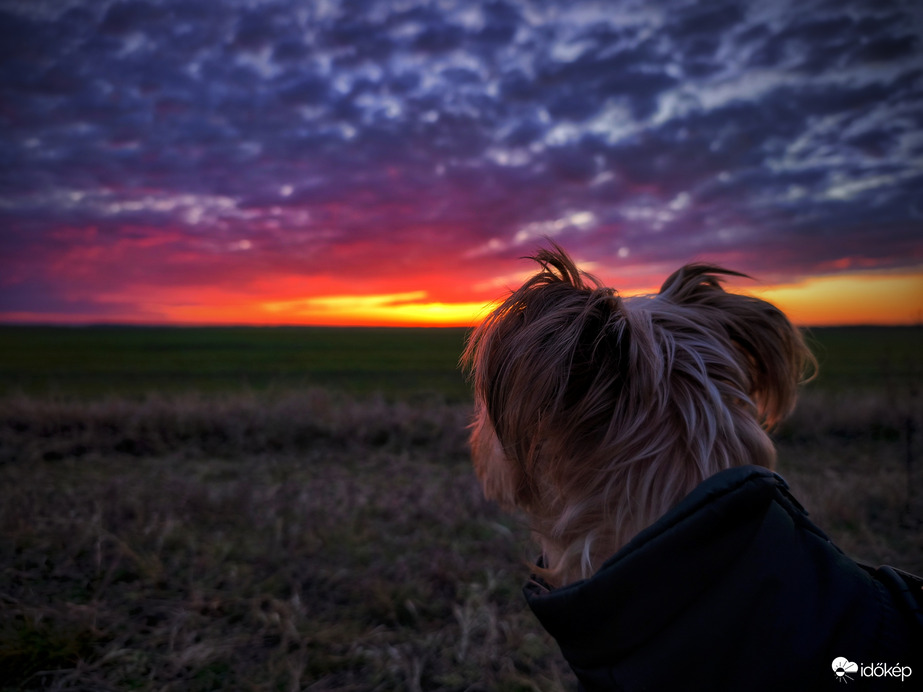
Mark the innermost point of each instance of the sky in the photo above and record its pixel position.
(391, 162)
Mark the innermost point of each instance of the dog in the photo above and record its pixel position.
(596, 413)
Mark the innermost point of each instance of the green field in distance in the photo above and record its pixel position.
(95, 361)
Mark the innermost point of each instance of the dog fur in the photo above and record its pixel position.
(595, 414)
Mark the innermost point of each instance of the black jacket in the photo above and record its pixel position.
(735, 589)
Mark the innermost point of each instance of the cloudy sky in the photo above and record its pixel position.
(323, 161)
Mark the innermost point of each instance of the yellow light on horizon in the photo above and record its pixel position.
(870, 298)
(399, 309)
(861, 298)
(850, 299)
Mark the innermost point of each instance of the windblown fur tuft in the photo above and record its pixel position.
(596, 414)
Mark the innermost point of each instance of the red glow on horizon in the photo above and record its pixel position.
(147, 275)
(874, 299)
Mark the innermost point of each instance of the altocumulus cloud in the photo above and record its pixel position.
(196, 142)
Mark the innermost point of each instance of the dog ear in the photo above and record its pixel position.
(771, 350)
(498, 476)
(518, 359)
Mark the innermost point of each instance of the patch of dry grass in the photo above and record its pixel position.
(149, 545)
(855, 460)
(315, 542)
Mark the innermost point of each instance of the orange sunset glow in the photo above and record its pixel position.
(853, 299)
(861, 299)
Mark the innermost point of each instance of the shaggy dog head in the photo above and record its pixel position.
(596, 414)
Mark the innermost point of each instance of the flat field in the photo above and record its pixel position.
(293, 509)
(131, 361)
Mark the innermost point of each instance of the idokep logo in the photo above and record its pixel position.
(842, 667)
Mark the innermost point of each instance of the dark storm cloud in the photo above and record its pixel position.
(655, 129)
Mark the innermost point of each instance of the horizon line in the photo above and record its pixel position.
(246, 325)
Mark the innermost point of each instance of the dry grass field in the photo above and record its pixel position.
(318, 539)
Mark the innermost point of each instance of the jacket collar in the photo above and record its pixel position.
(652, 579)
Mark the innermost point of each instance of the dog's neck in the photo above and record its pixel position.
(572, 568)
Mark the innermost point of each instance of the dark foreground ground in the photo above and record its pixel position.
(267, 539)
